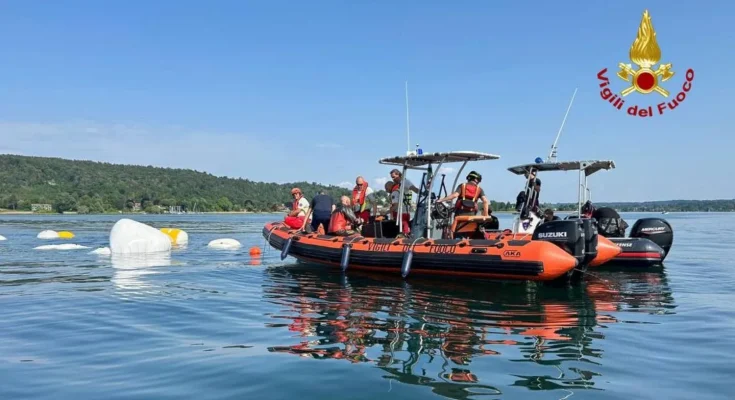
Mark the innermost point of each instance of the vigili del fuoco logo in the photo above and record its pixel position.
(645, 80)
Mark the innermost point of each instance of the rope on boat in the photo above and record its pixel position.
(266, 245)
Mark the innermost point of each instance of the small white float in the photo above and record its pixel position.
(132, 237)
(224, 244)
(49, 234)
(2, 238)
(103, 251)
(65, 246)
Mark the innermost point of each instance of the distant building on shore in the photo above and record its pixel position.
(40, 207)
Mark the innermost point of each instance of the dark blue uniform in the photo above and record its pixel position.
(321, 205)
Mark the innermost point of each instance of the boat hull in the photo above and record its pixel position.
(637, 252)
(505, 259)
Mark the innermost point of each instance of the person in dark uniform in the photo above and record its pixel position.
(549, 215)
(322, 206)
(534, 184)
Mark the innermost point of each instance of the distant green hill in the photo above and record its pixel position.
(96, 187)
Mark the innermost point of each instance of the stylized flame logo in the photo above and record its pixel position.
(645, 53)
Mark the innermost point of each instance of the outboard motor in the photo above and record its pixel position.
(657, 230)
(569, 235)
(589, 227)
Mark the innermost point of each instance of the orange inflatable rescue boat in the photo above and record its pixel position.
(466, 246)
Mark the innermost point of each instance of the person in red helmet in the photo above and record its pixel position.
(295, 217)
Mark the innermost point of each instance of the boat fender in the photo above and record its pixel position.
(406, 264)
(345, 261)
(286, 248)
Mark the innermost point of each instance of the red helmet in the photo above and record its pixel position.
(295, 190)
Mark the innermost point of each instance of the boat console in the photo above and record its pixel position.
(474, 226)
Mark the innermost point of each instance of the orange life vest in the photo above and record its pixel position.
(361, 198)
(338, 222)
(464, 203)
(295, 205)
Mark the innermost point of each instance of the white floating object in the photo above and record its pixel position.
(225, 244)
(48, 234)
(103, 251)
(132, 237)
(177, 236)
(65, 246)
(2, 238)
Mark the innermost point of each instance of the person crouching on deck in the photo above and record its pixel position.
(467, 195)
(362, 199)
(295, 218)
(343, 221)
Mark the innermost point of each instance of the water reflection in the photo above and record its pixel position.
(129, 269)
(430, 332)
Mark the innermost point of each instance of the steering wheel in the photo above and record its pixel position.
(441, 211)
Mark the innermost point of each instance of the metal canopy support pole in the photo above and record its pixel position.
(399, 220)
(579, 195)
(429, 187)
(456, 178)
(454, 185)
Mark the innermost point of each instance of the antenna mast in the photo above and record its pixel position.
(552, 153)
(408, 125)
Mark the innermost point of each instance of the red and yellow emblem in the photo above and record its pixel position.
(645, 53)
(645, 79)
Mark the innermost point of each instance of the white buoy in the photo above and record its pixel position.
(103, 251)
(48, 234)
(224, 244)
(65, 246)
(132, 237)
(2, 238)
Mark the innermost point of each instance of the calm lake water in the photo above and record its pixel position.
(209, 324)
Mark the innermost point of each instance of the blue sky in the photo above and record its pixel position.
(289, 91)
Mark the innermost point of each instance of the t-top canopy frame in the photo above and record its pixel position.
(588, 166)
(585, 168)
(420, 160)
(424, 161)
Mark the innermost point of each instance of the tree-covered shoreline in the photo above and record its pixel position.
(99, 187)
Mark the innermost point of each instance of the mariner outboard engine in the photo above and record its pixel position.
(657, 230)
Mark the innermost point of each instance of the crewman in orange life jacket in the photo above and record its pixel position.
(467, 195)
(363, 199)
(343, 221)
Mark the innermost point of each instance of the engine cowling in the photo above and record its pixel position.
(657, 230)
(567, 234)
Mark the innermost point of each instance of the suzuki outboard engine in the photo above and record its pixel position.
(569, 235)
(589, 227)
(657, 230)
